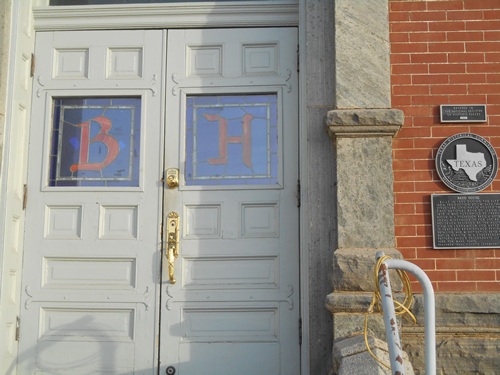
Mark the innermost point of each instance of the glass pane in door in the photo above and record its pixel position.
(95, 142)
(232, 140)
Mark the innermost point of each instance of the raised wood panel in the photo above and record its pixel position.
(203, 221)
(89, 273)
(118, 222)
(260, 220)
(11, 289)
(260, 59)
(71, 63)
(124, 63)
(10, 337)
(227, 272)
(204, 61)
(104, 324)
(85, 357)
(221, 324)
(63, 222)
(217, 357)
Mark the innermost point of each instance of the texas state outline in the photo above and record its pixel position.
(471, 162)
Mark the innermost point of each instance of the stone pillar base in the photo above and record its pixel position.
(351, 356)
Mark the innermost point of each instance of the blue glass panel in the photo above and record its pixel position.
(95, 142)
(232, 140)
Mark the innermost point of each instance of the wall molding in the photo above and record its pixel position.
(168, 16)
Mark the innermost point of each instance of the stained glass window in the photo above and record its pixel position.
(95, 142)
(232, 140)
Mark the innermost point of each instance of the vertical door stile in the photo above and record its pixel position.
(161, 238)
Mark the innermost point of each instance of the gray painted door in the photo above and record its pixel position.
(111, 111)
(234, 308)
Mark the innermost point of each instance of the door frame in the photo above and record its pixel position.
(284, 13)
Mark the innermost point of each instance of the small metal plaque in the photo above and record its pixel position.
(462, 221)
(463, 113)
(466, 163)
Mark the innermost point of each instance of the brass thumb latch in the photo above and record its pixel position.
(172, 243)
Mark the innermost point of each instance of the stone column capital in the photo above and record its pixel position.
(362, 123)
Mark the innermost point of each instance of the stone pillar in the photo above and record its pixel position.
(365, 206)
(362, 64)
(365, 210)
(361, 125)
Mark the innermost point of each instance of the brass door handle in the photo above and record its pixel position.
(172, 243)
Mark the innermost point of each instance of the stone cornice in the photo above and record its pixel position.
(361, 123)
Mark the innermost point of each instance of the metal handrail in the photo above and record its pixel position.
(391, 327)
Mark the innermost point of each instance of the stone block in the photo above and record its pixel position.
(351, 356)
(364, 122)
(364, 174)
(346, 302)
(460, 310)
(467, 334)
(347, 325)
(363, 140)
(457, 354)
(362, 52)
(353, 270)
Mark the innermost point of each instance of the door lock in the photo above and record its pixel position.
(172, 243)
(172, 178)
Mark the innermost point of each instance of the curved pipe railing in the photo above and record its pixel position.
(391, 327)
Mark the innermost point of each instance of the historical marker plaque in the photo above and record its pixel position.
(466, 163)
(463, 113)
(465, 221)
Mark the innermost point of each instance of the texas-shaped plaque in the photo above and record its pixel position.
(466, 163)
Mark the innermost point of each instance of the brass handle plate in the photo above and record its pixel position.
(172, 243)
(172, 178)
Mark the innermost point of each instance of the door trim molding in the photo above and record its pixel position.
(178, 15)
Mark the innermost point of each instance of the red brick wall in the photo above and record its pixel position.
(442, 52)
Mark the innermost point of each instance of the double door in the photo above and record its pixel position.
(162, 222)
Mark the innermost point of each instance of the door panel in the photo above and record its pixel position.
(91, 239)
(232, 98)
